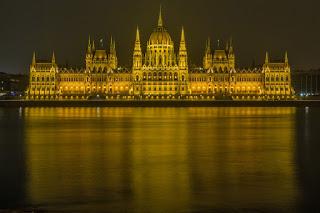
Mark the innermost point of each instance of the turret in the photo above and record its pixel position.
(231, 56)
(114, 49)
(34, 59)
(266, 61)
(93, 46)
(111, 45)
(89, 49)
(207, 59)
(227, 46)
(230, 49)
(208, 46)
(286, 59)
(53, 61)
(89, 53)
(113, 61)
(183, 56)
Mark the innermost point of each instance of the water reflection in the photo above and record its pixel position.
(308, 158)
(161, 159)
(12, 159)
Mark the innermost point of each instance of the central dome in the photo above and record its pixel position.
(160, 34)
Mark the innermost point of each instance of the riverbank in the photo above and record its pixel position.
(149, 103)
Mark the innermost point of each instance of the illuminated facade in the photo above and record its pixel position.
(160, 73)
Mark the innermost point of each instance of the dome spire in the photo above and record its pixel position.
(160, 22)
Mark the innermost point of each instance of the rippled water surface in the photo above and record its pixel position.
(160, 159)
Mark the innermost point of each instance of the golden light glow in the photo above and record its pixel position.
(159, 155)
(161, 71)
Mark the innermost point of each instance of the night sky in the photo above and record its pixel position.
(64, 26)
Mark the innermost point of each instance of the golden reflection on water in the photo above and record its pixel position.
(160, 159)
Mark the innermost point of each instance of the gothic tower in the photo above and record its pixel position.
(207, 59)
(183, 56)
(89, 54)
(113, 60)
(231, 55)
(137, 53)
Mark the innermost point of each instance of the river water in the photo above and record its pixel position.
(160, 159)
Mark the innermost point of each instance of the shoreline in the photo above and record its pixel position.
(150, 103)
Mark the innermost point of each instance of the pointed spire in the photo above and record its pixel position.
(137, 35)
(230, 46)
(267, 58)
(93, 45)
(111, 45)
(182, 35)
(53, 58)
(137, 46)
(137, 54)
(114, 47)
(182, 41)
(160, 22)
(89, 44)
(208, 46)
(286, 59)
(34, 58)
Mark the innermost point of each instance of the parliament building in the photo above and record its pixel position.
(160, 73)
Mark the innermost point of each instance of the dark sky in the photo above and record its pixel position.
(64, 26)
